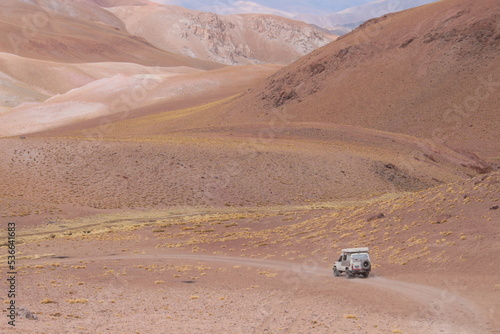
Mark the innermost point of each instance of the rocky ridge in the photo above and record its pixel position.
(231, 40)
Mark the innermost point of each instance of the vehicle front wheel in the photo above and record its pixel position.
(336, 273)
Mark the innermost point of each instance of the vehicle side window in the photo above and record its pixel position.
(344, 257)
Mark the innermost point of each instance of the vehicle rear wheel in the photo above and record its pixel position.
(348, 274)
(336, 273)
(365, 275)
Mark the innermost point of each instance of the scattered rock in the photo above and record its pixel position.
(399, 178)
(377, 216)
(317, 68)
(25, 313)
(495, 207)
(405, 44)
(441, 219)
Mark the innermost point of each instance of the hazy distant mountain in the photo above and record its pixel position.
(352, 17)
(240, 7)
(317, 7)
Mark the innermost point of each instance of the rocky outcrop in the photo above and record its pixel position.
(231, 40)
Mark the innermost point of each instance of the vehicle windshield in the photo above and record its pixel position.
(359, 257)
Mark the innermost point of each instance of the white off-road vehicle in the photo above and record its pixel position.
(353, 261)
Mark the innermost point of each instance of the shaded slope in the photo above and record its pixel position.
(75, 32)
(430, 72)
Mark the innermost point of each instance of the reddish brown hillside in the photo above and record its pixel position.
(74, 32)
(429, 72)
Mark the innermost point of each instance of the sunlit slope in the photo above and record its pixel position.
(47, 78)
(430, 72)
(120, 91)
(232, 40)
(76, 32)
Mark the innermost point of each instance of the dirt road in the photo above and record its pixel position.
(436, 305)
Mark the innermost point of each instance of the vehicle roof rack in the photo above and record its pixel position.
(355, 250)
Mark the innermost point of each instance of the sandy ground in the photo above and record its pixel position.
(267, 270)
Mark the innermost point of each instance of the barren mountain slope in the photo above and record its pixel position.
(430, 72)
(234, 39)
(110, 91)
(75, 32)
(127, 165)
(47, 78)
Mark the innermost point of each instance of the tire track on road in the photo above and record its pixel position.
(436, 301)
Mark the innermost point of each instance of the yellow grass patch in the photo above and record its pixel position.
(77, 301)
(47, 301)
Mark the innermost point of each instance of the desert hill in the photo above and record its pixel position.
(76, 32)
(106, 92)
(232, 40)
(62, 58)
(430, 72)
(49, 78)
(151, 34)
(66, 62)
(319, 140)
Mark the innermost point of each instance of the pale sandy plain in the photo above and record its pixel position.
(186, 196)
